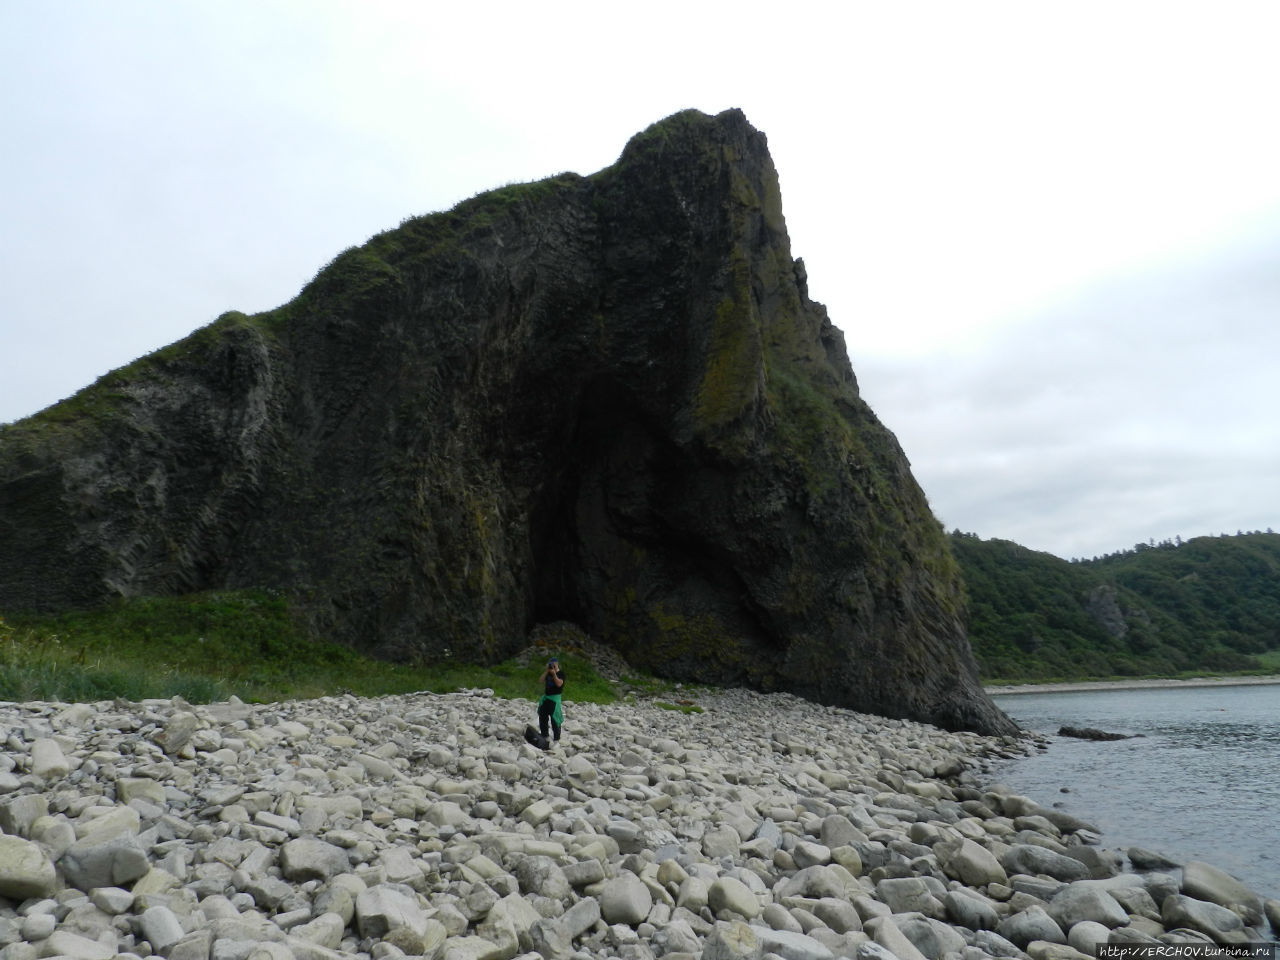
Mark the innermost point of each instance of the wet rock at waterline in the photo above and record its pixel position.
(1092, 733)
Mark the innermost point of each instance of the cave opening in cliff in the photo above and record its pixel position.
(554, 593)
(596, 507)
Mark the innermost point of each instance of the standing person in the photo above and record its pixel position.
(549, 707)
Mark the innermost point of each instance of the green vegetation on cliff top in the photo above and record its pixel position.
(1210, 604)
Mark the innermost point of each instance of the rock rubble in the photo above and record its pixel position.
(423, 825)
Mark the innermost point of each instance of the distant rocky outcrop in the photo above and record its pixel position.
(1102, 604)
(1093, 733)
(604, 399)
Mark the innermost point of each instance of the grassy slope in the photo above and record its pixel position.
(211, 646)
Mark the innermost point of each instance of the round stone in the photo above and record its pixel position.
(625, 899)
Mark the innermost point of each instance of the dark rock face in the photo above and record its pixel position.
(602, 399)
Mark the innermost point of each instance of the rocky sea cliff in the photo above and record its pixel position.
(607, 400)
(423, 825)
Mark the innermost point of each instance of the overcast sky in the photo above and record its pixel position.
(1050, 232)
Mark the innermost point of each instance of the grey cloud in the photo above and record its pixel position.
(1142, 409)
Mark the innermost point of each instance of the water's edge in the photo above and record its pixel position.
(1198, 779)
(1159, 684)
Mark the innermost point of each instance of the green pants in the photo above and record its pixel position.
(549, 708)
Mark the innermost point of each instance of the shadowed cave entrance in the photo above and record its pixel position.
(596, 507)
(624, 523)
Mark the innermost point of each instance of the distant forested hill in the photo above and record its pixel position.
(1206, 604)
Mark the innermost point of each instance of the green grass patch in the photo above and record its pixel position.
(1270, 661)
(210, 646)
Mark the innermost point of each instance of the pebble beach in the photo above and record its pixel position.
(423, 826)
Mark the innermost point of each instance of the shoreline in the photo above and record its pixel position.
(1082, 686)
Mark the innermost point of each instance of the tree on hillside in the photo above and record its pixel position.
(1208, 603)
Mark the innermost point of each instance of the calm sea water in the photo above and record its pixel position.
(1203, 783)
